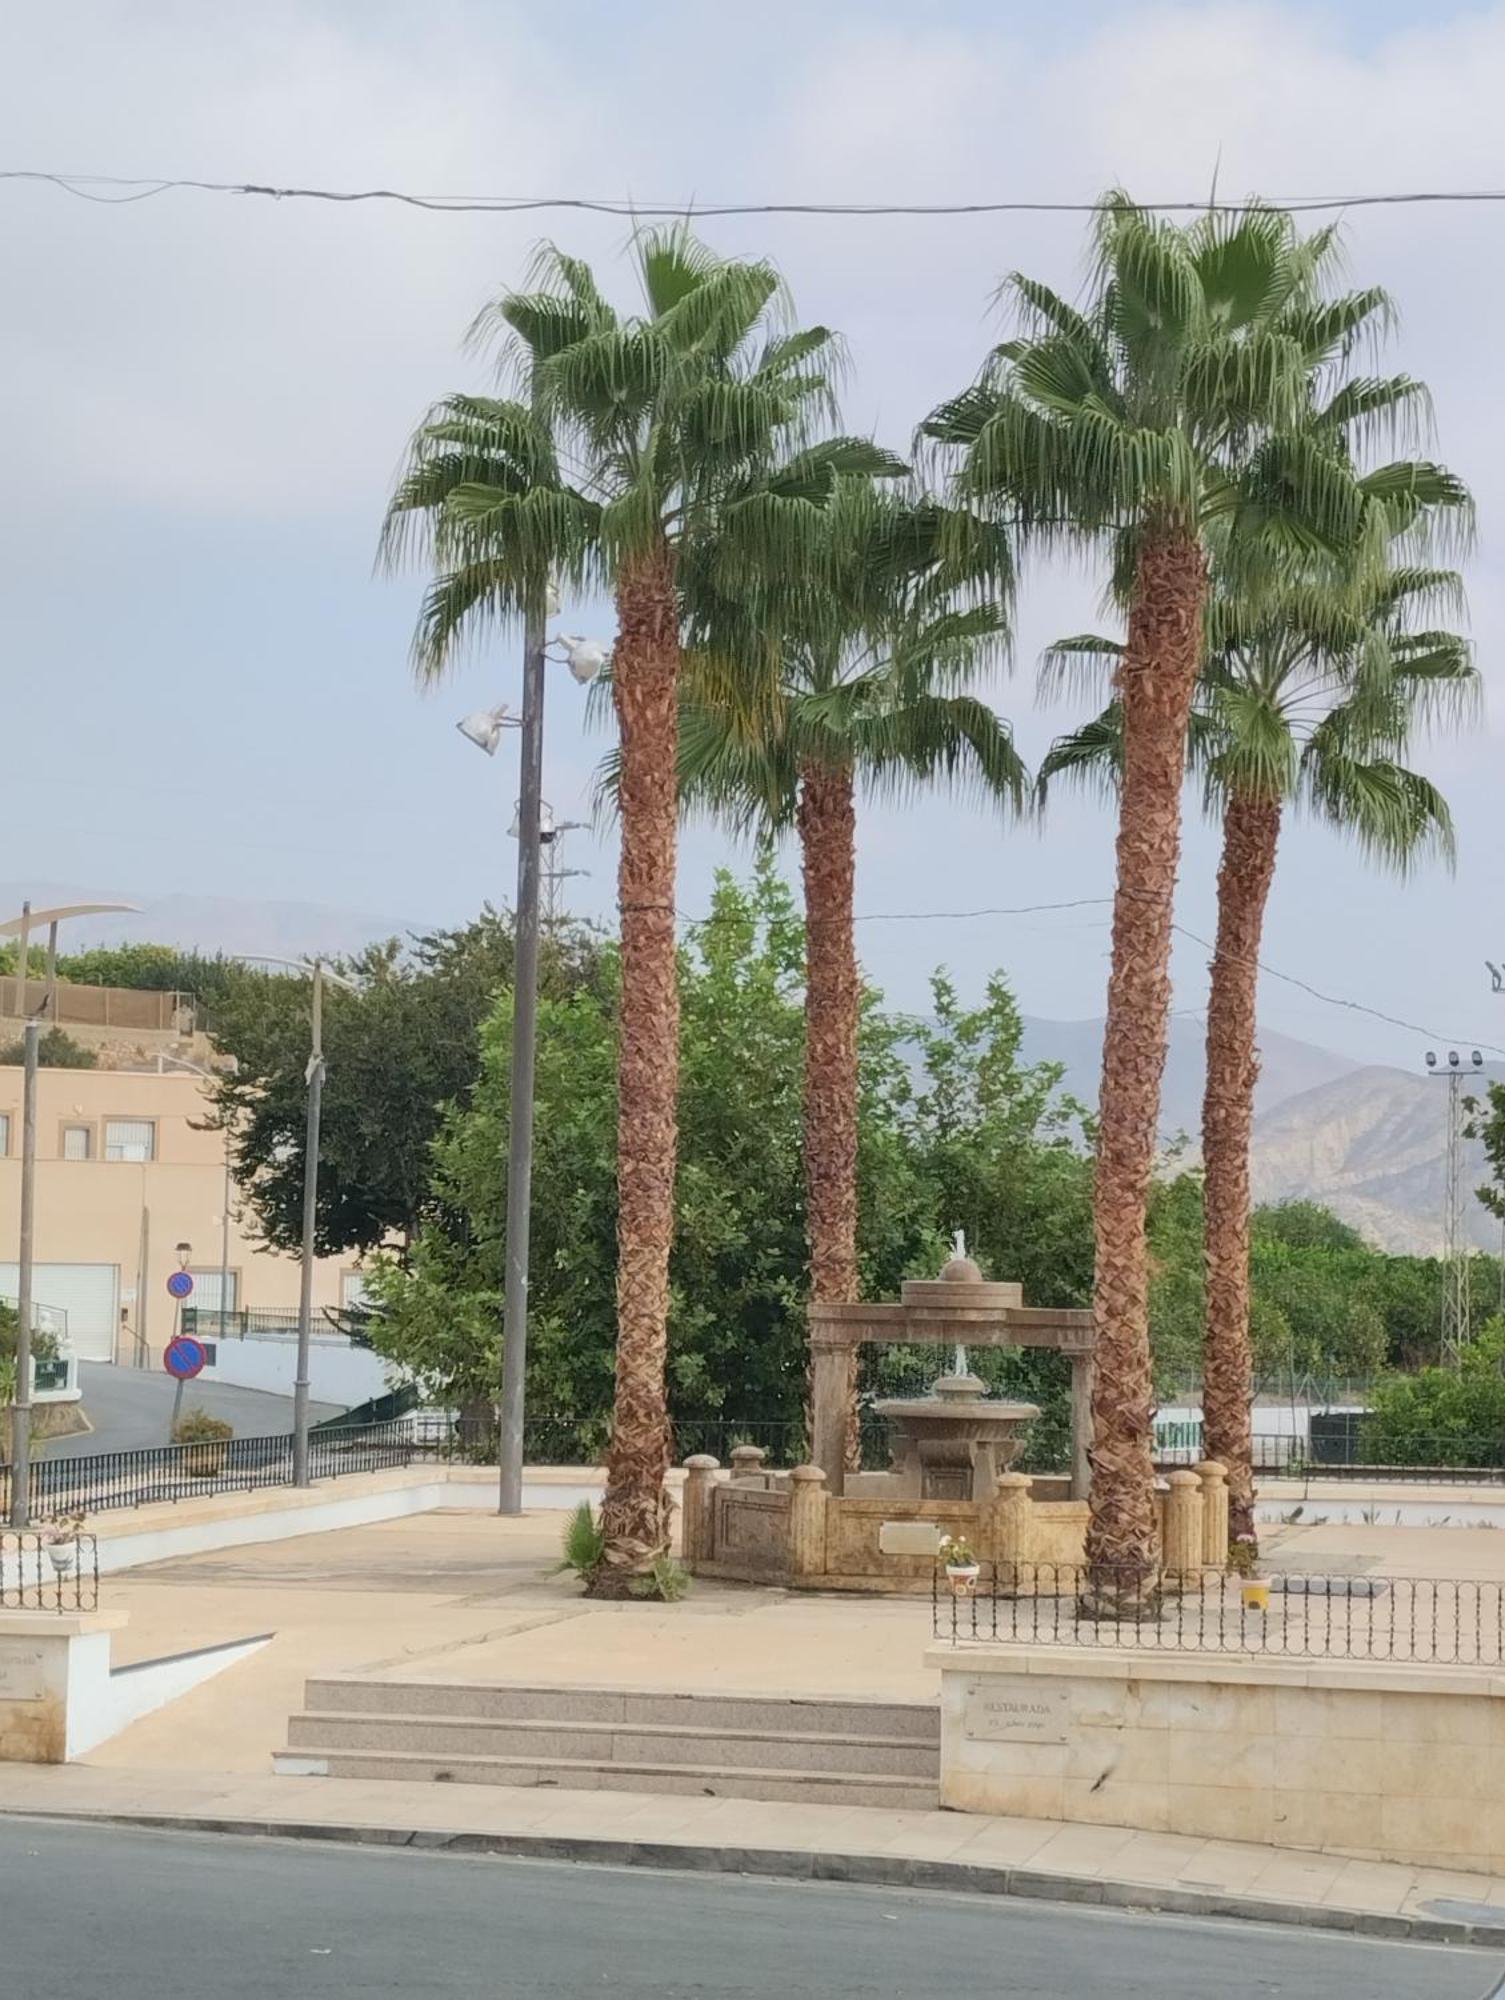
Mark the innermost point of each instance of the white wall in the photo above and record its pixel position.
(337, 1372)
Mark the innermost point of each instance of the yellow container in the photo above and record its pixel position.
(1256, 1594)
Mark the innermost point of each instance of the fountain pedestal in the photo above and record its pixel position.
(953, 1443)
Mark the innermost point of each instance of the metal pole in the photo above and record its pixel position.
(310, 1211)
(20, 1436)
(50, 1009)
(524, 1035)
(224, 1245)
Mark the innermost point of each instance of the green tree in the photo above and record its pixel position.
(644, 439)
(398, 1051)
(1444, 1416)
(1177, 404)
(900, 604)
(1308, 696)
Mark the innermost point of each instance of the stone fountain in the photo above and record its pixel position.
(953, 1443)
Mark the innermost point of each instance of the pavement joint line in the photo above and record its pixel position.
(890, 1871)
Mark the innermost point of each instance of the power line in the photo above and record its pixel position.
(1181, 930)
(93, 187)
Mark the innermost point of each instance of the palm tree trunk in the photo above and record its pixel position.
(1156, 680)
(1251, 829)
(827, 822)
(634, 1511)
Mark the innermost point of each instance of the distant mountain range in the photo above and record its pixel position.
(1367, 1140)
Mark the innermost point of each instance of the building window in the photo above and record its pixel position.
(353, 1294)
(4, 1133)
(130, 1139)
(78, 1142)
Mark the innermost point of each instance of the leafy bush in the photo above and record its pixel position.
(55, 1050)
(1444, 1416)
(199, 1427)
(584, 1543)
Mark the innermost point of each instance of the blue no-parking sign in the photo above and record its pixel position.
(180, 1285)
(183, 1357)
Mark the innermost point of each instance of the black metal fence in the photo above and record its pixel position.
(1422, 1620)
(48, 1570)
(1349, 1451)
(114, 1479)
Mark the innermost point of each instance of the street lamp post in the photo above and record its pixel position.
(585, 659)
(314, 1076)
(20, 1419)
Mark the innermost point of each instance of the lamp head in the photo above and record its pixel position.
(1431, 1058)
(584, 657)
(1452, 1058)
(1477, 1060)
(484, 728)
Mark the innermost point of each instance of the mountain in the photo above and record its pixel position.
(1372, 1146)
(208, 923)
(1288, 1067)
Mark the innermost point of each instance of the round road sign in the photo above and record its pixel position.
(183, 1357)
(180, 1285)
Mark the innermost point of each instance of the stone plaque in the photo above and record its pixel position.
(1015, 1711)
(21, 1677)
(909, 1538)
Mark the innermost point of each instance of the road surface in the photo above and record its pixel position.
(147, 1916)
(131, 1408)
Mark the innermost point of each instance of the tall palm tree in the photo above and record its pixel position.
(644, 438)
(1308, 696)
(1176, 399)
(850, 672)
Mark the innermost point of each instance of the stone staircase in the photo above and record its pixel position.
(842, 1752)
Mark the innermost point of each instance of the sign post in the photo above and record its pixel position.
(183, 1357)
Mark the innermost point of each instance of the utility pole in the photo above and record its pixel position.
(315, 1076)
(1457, 1278)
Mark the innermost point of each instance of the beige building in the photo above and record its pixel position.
(126, 1173)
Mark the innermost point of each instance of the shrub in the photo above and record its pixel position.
(1444, 1416)
(199, 1427)
(55, 1050)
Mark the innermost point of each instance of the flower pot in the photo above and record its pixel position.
(962, 1577)
(1255, 1592)
(62, 1556)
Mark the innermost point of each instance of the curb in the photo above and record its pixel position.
(885, 1871)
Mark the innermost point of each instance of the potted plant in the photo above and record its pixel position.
(59, 1537)
(962, 1566)
(207, 1439)
(1243, 1560)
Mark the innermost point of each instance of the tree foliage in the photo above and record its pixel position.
(397, 1052)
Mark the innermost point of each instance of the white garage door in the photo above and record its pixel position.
(88, 1293)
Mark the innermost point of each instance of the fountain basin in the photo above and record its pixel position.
(953, 1443)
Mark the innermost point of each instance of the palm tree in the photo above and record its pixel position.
(646, 437)
(1308, 696)
(1178, 398)
(850, 671)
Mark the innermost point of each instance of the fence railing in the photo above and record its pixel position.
(48, 1571)
(1425, 1620)
(1439, 1459)
(113, 1479)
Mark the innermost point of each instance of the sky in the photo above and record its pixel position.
(206, 684)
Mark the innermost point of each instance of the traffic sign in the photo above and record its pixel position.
(180, 1285)
(183, 1357)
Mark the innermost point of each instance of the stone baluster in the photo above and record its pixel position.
(1214, 1478)
(1181, 1532)
(698, 1535)
(1013, 1530)
(747, 1463)
(807, 1521)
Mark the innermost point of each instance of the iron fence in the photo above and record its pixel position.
(1423, 1620)
(53, 1569)
(114, 1479)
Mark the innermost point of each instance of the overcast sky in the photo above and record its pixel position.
(206, 689)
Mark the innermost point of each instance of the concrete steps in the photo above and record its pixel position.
(595, 1739)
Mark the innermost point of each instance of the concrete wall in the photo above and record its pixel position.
(1353, 1758)
(338, 1372)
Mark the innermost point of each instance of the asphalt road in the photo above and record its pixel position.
(147, 1916)
(131, 1408)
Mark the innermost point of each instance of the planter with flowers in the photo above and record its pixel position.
(59, 1537)
(1243, 1560)
(961, 1565)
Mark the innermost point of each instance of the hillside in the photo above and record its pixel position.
(1372, 1146)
